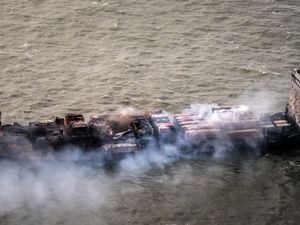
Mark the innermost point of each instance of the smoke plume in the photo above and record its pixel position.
(76, 191)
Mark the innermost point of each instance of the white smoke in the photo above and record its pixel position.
(69, 192)
(51, 191)
(74, 191)
(263, 101)
(203, 110)
(143, 161)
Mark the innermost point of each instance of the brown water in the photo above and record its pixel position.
(99, 56)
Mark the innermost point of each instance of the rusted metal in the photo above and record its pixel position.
(202, 134)
(163, 126)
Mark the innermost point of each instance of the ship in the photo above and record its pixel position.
(117, 135)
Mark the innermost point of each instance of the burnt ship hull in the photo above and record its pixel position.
(114, 136)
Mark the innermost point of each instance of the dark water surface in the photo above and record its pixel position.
(99, 56)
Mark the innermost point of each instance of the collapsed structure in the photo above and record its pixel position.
(120, 134)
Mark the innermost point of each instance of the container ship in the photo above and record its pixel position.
(115, 135)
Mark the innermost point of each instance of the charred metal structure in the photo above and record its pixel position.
(115, 135)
